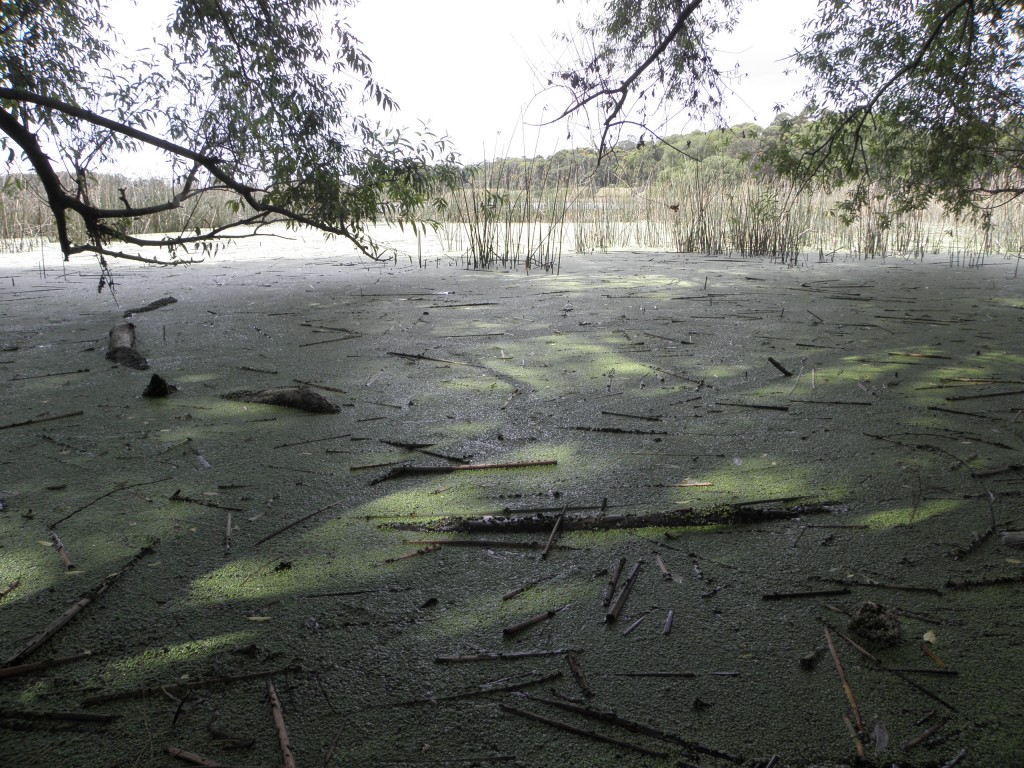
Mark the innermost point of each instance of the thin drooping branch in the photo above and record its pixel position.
(621, 91)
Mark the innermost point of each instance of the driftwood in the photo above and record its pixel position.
(121, 347)
(151, 306)
(301, 397)
(723, 514)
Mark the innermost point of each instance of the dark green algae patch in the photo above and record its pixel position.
(646, 377)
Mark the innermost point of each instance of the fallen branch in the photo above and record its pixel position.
(292, 524)
(79, 717)
(191, 757)
(176, 496)
(613, 718)
(525, 624)
(782, 369)
(415, 469)
(620, 600)
(842, 678)
(74, 512)
(40, 421)
(581, 731)
(172, 688)
(504, 656)
(22, 669)
(57, 624)
(282, 731)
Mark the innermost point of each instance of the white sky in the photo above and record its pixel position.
(476, 70)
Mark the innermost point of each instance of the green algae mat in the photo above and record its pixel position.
(657, 509)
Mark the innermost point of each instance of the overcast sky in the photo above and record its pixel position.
(474, 69)
(477, 70)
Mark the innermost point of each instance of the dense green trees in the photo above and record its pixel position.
(924, 99)
(260, 104)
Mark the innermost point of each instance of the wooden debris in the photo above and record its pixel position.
(496, 686)
(667, 628)
(612, 718)
(292, 524)
(191, 757)
(121, 347)
(10, 587)
(1013, 538)
(984, 582)
(176, 496)
(102, 496)
(300, 397)
(41, 420)
(807, 593)
(35, 666)
(413, 469)
(166, 301)
(525, 624)
(57, 624)
(782, 369)
(666, 574)
(628, 630)
(654, 674)
(282, 731)
(64, 556)
(842, 678)
(620, 600)
(954, 398)
(551, 538)
(486, 543)
(504, 656)
(172, 688)
(519, 590)
(581, 731)
(579, 675)
(723, 514)
(421, 356)
(79, 717)
(609, 590)
(422, 551)
(313, 440)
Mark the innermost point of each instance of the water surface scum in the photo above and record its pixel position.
(795, 442)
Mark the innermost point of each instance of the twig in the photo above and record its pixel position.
(842, 678)
(628, 630)
(191, 757)
(282, 731)
(782, 369)
(666, 574)
(609, 590)
(620, 600)
(57, 624)
(615, 719)
(481, 543)
(581, 731)
(21, 669)
(103, 496)
(554, 533)
(809, 593)
(10, 587)
(503, 656)
(515, 629)
(80, 717)
(292, 524)
(227, 534)
(64, 556)
(579, 675)
(754, 405)
(156, 690)
(434, 359)
(422, 551)
(668, 622)
(40, 421)
(48, 375)
(315, 440)
(533, 678)
(176, 496)
(414, 469)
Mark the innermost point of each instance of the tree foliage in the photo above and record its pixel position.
(638, 54)
(263, 104)
(923, 98)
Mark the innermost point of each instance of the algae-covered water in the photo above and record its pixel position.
(647, 378)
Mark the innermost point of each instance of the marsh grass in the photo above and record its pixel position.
(508, 213)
